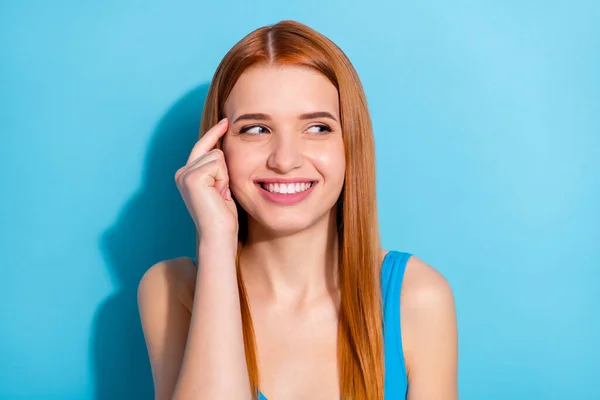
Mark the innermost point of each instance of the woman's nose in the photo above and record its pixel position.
(286, 153)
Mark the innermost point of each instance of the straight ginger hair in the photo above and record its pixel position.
(360, 326)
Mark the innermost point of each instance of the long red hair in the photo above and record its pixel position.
(360, 339)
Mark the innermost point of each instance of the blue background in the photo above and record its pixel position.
(486, 116)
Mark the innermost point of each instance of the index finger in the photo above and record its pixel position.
(208, 141)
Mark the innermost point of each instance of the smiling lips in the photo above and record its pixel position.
(286, 192)
(286, 188)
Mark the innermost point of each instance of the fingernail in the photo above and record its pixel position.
(228, 194)
(222, 121)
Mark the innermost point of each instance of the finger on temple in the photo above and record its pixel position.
(208, 141)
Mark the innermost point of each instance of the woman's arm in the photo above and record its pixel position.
(429, 333)
(196, 349)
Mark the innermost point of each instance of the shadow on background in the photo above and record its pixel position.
(154, 225)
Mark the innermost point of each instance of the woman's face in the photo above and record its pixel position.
(286, 166)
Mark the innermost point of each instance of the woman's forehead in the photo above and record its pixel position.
(282, 91)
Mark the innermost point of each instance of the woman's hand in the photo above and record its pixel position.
(196, 347)
(204, 185)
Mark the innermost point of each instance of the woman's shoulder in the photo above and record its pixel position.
(176, 277)
(420, 279)
(427, 309)
(423, 284)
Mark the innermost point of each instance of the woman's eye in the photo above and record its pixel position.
(252, 130)
(259, 130)
(320, 128)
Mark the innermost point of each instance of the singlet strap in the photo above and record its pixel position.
(392, 275)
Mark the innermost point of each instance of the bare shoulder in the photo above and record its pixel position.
(426, 304)
(425, 286)
(175, 278)
(422, 283)
(429, 332)
(165, 298)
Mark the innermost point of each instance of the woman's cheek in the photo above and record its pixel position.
(330, 161)
(241, 162)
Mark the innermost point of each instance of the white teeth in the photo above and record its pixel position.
(290, 188)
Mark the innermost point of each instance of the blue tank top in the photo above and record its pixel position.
(392, 274)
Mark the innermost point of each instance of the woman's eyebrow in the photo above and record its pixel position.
(266, 117)
(317, 114)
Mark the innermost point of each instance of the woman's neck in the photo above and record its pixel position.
(293, 269)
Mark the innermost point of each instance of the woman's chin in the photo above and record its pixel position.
(284, 225)
(279, 222)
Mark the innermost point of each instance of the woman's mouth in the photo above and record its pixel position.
(286, 193)
(286, 188)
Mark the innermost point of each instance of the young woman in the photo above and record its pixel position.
(291, 296)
